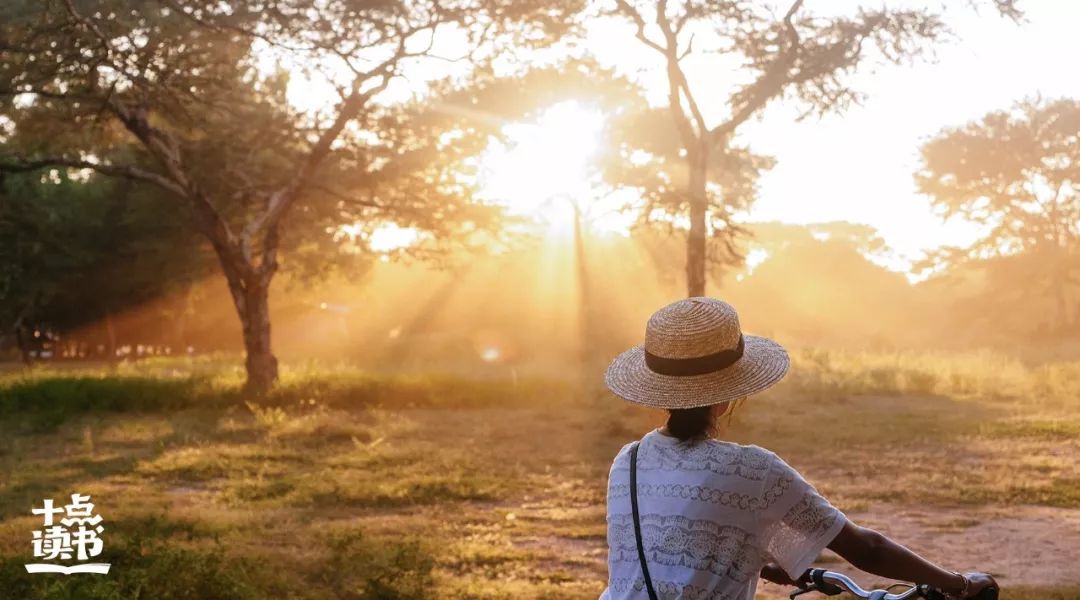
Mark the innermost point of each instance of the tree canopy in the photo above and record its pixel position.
(1017, 173)
(785, 52)
(140, 142)
(192, 97)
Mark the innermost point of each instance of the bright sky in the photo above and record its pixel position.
(546, 168)
(858, 166)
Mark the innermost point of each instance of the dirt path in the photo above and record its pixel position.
(1021, 546)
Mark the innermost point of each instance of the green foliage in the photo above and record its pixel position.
(192, 97)
(42, 403)
(210, 82)
(63, 237)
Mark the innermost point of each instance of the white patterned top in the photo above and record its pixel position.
(712, 514)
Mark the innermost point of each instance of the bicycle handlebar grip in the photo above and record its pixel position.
(816, 576)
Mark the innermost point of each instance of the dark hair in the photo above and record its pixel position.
(689, 423)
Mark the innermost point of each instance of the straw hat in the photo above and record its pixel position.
(694, 355)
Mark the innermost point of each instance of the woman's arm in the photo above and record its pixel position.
(872, 552)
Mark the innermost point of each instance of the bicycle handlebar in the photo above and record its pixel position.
(831, 583)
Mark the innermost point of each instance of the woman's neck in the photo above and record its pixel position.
(666, 433)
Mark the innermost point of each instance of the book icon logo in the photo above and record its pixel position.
(74, 535)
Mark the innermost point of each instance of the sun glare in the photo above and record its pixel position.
(541, 171)
(545, 165)
(392, 237)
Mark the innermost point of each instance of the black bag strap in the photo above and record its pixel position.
(637, 521)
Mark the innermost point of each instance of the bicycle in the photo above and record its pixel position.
(831, 583)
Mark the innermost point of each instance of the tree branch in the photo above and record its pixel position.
(626, 9)
(677, 82)
(90, 25)
(17, 164)
(279, 201)
(769, 84)
(163, 147)
(346, 198)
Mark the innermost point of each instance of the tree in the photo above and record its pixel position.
(176, 94)
(649, 156)
(36, 251)
(62, 237)
(798, 55)
(817, 283)
(1017, 172)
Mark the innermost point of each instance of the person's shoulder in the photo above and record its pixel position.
(778, 467)
(748, 451)
(622, 458)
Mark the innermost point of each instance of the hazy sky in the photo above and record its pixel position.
(858, 166)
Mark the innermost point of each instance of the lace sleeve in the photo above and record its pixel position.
(800, 525)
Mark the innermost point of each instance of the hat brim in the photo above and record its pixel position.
(763, 364)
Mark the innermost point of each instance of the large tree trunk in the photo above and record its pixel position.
(249, 286)
(697, 161)
(251, 296)
(261, 364)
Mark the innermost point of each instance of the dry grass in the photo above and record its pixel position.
(348, 485)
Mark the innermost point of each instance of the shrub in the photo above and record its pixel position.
(363, 569)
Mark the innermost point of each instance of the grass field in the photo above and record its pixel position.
(343, 484)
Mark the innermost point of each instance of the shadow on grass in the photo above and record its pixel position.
(43, 464)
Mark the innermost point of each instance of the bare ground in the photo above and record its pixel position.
(1029, 546)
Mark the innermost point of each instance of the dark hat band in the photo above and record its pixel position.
(699, 365)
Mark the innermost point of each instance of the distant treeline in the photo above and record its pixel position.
(810, 286)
